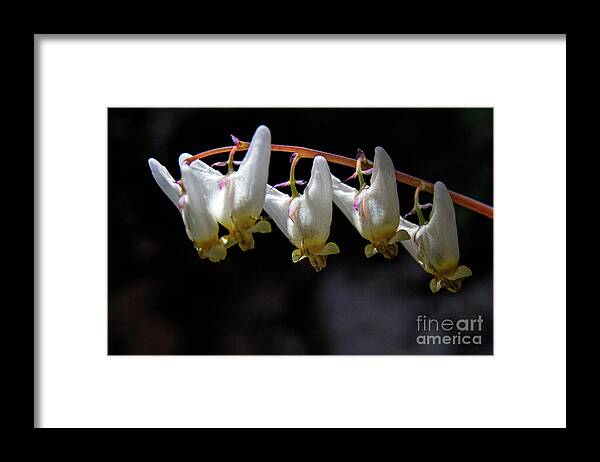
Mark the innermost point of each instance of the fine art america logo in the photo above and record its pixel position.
(432, 331)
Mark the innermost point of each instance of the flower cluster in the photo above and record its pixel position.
(206, 198)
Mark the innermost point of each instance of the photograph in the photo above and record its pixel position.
(300, 231)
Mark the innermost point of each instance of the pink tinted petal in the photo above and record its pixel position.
(287, 184)
(223, 182)
(292, 210)
(351, 177)
(358, 201)
(281, 185)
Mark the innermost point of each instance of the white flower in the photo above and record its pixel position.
(435, 244)
(237, 199)
(189, 197)
(306, 219)
(374, 210)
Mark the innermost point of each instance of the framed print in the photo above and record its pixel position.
(299, 231)
(343, 266)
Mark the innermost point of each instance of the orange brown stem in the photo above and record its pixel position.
(459, 199)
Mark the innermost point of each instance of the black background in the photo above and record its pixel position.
(164, 300)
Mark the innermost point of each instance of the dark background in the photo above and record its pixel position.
(164, 300)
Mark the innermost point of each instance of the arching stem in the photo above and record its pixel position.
(459, 199)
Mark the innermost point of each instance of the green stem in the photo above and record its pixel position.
(418, 210)
(295, 160)
(230, 159)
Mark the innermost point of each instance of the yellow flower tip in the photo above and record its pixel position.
(370, 250)
(244, 239)
(241, 233)
(387, 249)
(316, 257)
(228, 241)
(450, 286)
(331, 248)
(386, 245)
(452, 282)
(460, 273)
(262, 226)
(401, 235)
(318, 262)
(398, 236)
(297, 255)
(214, 251)
(435, 285)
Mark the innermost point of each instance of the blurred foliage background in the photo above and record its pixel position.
(164, 300)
